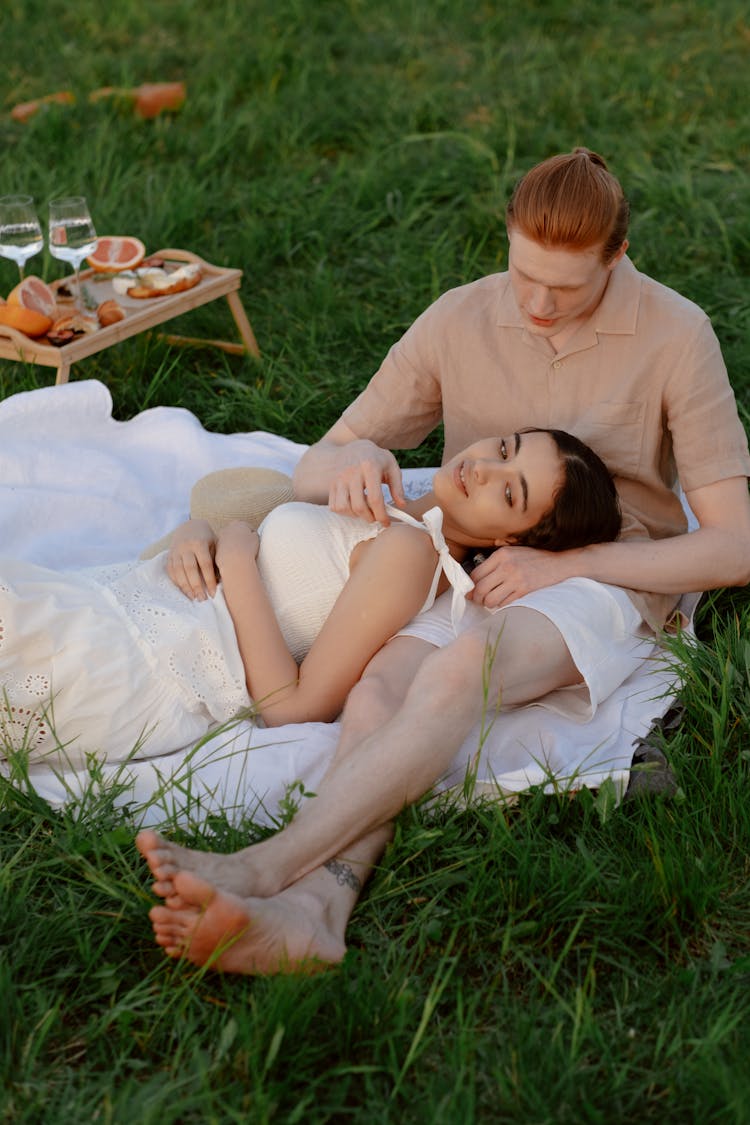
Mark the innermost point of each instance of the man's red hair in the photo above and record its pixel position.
(571, 201)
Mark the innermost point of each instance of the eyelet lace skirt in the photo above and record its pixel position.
(112, 661)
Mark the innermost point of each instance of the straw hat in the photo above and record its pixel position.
(233, 494)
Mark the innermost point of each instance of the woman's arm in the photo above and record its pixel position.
(268, 663)
(388, 584)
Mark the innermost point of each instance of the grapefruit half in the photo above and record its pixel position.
(28, 321)
(35, 295)
(117, 252)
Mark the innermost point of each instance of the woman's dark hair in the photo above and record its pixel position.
(585, 509)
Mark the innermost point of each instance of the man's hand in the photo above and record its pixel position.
(512, 572)
(360, 469)
(190, 560)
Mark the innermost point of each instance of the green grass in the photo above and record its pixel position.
(552, 963)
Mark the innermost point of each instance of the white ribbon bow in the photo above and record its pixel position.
(432, 523)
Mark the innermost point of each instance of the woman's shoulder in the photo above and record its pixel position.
(410, 541)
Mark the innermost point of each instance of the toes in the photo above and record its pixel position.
(162, 864)
(143, 840)
(164, 917)
(195, 891)
(147, 840)
(160, 915)
(177, 902)
(158, 854)
(174, 921)
(166, 941)
(172, 946)
(163, 888)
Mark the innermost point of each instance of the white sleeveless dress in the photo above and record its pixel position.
(115, 661)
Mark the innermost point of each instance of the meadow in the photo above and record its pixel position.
(560, 961)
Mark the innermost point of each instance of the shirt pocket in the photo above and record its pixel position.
(615, 431)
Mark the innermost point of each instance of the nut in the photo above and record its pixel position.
(109, 312)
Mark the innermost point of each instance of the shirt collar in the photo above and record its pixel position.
(617, 312)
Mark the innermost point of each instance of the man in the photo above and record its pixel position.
(572, 336)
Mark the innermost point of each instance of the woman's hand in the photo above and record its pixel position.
(190, 560)
(237, 540)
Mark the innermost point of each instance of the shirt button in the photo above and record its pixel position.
(557, 365)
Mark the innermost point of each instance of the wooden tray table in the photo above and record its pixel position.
(140, 315)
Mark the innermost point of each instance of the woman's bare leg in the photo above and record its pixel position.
(403, 757)
(208, 894)
(371, 703)
(391, 767)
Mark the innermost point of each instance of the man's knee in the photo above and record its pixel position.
(372, 701)
(453, 673)
(515, 656)
(527, 645)
(385, 681)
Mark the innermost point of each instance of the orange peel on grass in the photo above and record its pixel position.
(24, 110)
(148, 99)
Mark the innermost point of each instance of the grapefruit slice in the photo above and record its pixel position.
(28, 321)
(117, 252)
(35, 295)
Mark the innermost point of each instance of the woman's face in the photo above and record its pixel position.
(498, 488)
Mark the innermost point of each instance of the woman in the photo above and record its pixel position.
(115, 661)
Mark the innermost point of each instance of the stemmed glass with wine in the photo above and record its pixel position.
(72, 236)
(20, 232)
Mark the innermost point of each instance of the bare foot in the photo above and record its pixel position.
(288, 933)
(231, 873)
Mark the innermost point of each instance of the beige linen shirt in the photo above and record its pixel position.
(642, 381)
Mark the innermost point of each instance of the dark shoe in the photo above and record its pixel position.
(650, 772)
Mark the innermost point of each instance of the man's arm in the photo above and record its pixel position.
(346, 473)
(716, 554)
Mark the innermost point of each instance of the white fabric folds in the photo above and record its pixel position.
(432, 521)
(78, 488)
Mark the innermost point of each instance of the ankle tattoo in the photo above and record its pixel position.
(344, 875)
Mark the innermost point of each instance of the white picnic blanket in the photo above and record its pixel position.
(78, 488)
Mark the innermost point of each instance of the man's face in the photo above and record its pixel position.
(556, 289)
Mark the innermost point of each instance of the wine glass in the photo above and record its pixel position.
(71, 234)
(20, 232)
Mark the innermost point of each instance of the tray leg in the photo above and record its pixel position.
(249, 343)
(63, 371)
(243, 324)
